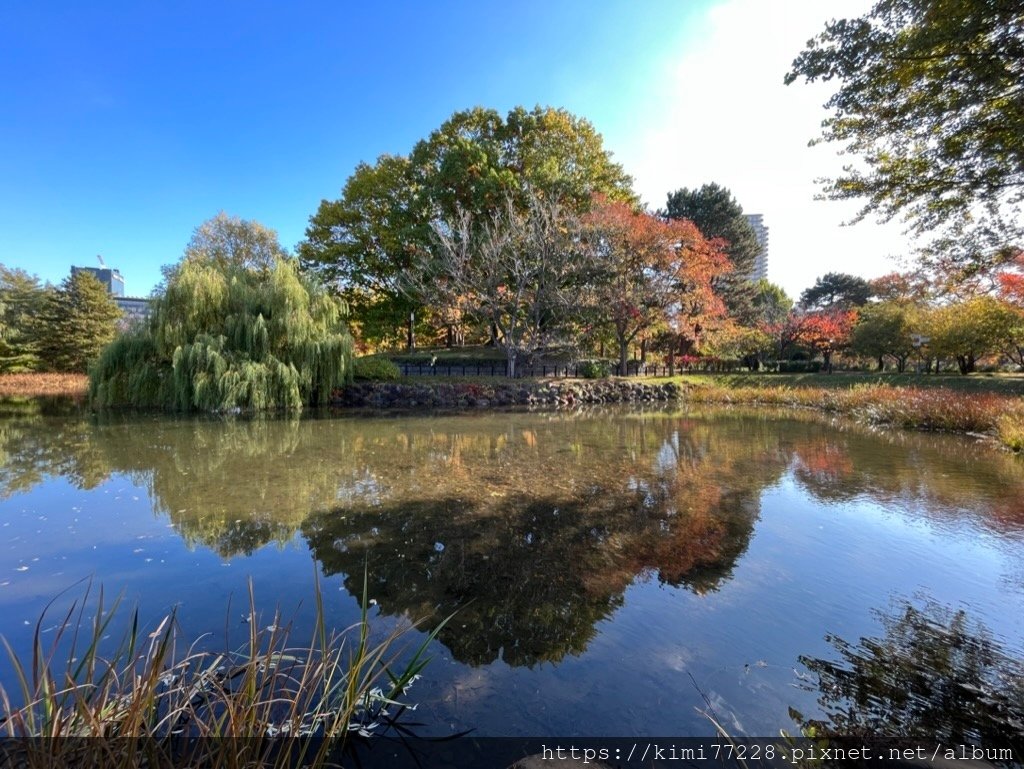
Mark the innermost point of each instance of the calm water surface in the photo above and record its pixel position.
(612, 572)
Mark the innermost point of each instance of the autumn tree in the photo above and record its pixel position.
(928, 98)
(826, 332)
(887, 329)
(522, 272)
(474, 163)
(717, 214)
(635, 258)
(969, 330)
(913, 287)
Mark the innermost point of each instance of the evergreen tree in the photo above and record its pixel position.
(78, 320)
(22, 300)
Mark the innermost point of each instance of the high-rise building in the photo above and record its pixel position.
(111, 279)
(136, 309)
(760, 268)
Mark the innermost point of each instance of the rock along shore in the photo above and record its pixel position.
(458, 395)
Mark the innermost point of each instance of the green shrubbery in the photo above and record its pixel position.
(594, 369)
(375, 370)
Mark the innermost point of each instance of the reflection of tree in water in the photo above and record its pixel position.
(934, 676)
(923, 473)
(532, 566)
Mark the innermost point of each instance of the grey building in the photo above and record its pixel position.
(760, 269)
(110, 278)
(135, 308)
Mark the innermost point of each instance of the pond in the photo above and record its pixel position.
(611, 572)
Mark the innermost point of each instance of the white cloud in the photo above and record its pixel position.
(721, 113)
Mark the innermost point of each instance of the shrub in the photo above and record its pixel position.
(593, 369)
(375, 370)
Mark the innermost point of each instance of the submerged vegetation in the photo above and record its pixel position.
(230, 332)
(264, 703)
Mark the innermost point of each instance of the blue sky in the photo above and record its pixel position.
(125, 126)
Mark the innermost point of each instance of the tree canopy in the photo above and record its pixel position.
(78, 320)
(231, 331)
(717, 214)
(929, 98)
(383, 224)
(836, 290)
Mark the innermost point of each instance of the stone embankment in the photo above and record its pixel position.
(458, 395)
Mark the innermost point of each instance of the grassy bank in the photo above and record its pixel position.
(1001, 384)
(914, 407)
(44, 386)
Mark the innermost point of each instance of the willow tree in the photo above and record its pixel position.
(227, 334)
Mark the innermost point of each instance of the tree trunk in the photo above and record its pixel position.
(410, 337)
(881, 364)
(623, 357)
(827, 359)
(643, 350)
(511, 370)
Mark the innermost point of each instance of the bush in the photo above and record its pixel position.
(799, 366)
(375, 370)
(594, 369)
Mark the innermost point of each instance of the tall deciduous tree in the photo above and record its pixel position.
(827, 331)
(636, 260)
(929, 99)
(78, 321)
(474, 163)
(365, 241)
(972, 329)
(887, 329)
(521, 272)
(717, 215)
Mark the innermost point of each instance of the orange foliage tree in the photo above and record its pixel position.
(826, 332)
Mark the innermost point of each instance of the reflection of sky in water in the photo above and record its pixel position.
(611, 571)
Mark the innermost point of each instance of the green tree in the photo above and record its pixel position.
(717, 215)
(771, 303)
(22, 302)
(929, 98)
(887, 329)
(836, 290)
(969, 330)
(78, 320)
(231, 332)
(366, 243)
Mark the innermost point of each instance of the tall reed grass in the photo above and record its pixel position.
(999, 416)
(44, 385)
(150, 701)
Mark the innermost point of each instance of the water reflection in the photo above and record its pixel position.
(597, 561)
(934, 677)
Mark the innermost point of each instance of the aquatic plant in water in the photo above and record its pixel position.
(149, 702)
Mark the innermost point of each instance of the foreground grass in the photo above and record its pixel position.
(44, 385)
(263, 704)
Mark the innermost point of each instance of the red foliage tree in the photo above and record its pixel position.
(826, 332)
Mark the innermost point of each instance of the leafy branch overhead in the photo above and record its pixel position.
(931, 99)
